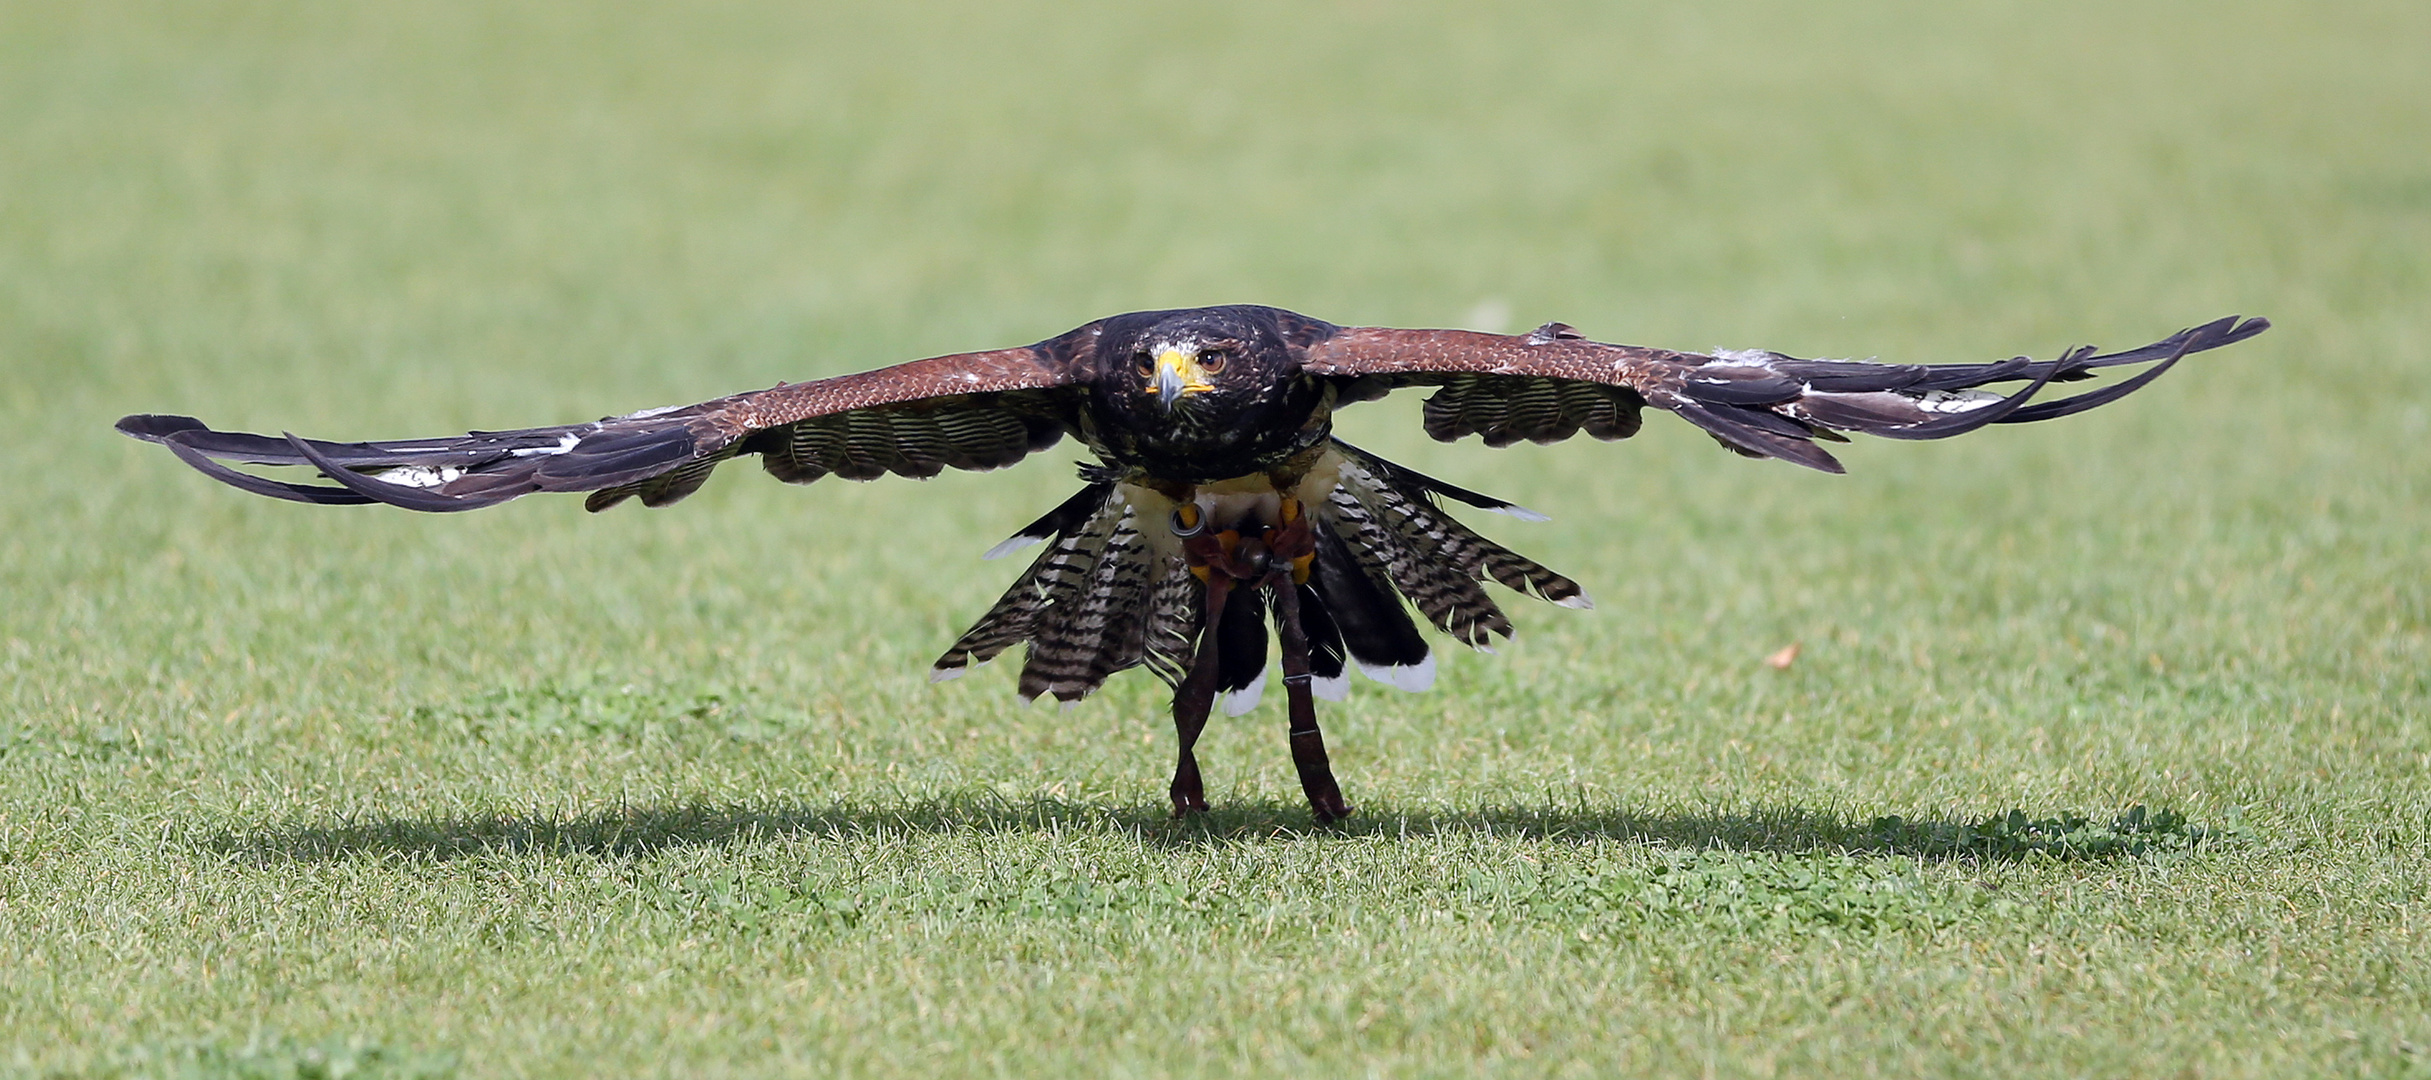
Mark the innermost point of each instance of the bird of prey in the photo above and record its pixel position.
(1220, 498)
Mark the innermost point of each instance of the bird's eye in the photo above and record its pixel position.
(1147, 364)
(1211, 362)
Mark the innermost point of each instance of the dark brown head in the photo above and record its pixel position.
(1205, 384)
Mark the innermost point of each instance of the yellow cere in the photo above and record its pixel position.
(1177, 368)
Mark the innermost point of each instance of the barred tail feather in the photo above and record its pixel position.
(1384, 536)
(1101, 598)
(1175, 603)
(1389, 554)
(1097, 601)
(1358, 595)
(1060, 633)
(1094, 624)
(1008, 622)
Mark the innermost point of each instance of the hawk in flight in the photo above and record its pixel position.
(1220, 499)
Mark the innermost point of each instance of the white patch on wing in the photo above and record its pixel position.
(645, 414)
(1012, 544)
(565, 442)
(1741, 358)
(419, 476)
(1581, 602)
(1247, 697)
(1337, 688)
(1953, 401)
(1414, 678)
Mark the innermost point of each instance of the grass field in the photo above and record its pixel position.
(2108, 752)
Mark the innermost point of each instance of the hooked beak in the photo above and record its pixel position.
(1178, 373)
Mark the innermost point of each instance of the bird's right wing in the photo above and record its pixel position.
(1551, 384)
(981, 410)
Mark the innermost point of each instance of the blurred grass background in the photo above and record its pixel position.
(533, 792)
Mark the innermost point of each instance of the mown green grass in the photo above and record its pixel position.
(287, 791)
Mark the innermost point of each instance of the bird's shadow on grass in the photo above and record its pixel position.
(644, 831)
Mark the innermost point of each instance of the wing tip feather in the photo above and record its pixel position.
(157, 427)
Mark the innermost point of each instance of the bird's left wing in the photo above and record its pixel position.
(979, 410)
(1551, 384)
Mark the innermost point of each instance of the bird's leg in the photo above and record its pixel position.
(1194, 698)
(1307, 743)
(1293, 547)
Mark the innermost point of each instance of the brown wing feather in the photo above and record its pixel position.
(1550, 384)
(977, 410)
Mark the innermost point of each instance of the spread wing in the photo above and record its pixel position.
(1551, 384)
(981, 410)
